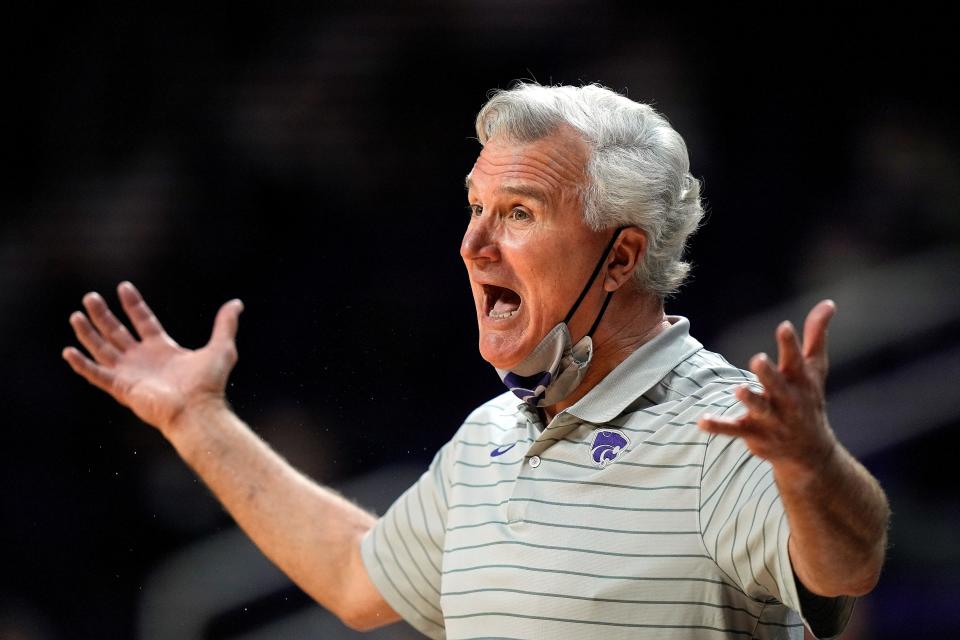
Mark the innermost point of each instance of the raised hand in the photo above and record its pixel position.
(154, 376)
(787, 423)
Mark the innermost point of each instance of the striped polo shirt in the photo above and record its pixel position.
(619, 518)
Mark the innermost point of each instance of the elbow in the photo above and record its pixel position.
(363, 621)
(859, 585)
(366, 616)
(355, 621)
(354, 599)
(864, 584)
(857, 582)
(350, 612)
(870, 575)
(360, 606)
(865, 580)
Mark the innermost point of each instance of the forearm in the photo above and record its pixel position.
(838, 518)
(310, 533)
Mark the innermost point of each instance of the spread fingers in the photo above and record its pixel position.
(142, 318)
(91, 371)
(101, 350)
(106, 323)
(757, 403)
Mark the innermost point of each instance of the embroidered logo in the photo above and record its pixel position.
(502, 449)
(608, 444)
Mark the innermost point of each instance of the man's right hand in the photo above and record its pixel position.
(154, 376)
(311, 533)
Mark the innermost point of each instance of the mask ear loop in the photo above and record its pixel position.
(596, 322)
(593, 276)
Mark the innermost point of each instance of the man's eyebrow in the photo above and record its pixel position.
(517, 190)
(524, 190)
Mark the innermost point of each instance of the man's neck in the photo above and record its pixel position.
(630, 322)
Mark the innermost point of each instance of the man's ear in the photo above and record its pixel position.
(626, 255)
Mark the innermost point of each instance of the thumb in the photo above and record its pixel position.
(226, 323)
(815, 335)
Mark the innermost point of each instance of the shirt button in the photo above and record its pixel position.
(535, 461)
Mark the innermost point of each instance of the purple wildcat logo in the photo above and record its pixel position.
(608, 444)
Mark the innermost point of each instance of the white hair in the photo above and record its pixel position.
(638, 171)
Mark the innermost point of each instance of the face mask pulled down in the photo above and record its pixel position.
(554, 368)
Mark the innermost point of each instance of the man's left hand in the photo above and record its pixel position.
(786, 422)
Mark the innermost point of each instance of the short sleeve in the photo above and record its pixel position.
(745, 530)
(403, 552)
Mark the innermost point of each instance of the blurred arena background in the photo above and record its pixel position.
(309, 159)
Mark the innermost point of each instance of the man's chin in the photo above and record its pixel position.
(500, 353)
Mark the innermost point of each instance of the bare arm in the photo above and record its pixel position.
(837, 511)
(311, 533)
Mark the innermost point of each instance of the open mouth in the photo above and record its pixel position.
(499, 302)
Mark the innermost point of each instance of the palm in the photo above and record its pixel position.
(154, 376)
(786, 423)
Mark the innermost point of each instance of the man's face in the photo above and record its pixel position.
(527, 249)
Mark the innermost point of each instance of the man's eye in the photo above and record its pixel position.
(475, 210)
(519, 215)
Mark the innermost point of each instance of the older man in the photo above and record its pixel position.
(630, 483)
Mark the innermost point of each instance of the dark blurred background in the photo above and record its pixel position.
(310, 160)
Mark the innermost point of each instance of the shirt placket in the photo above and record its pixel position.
(532, 466)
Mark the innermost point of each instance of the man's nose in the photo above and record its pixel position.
(479, 242)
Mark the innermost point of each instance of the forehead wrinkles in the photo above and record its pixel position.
(557, 163)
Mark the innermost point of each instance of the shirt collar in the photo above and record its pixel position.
(640, 371)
